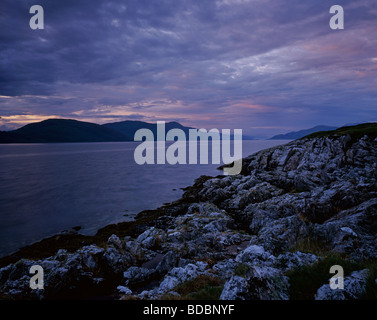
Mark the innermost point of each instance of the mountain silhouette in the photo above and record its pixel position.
(128, 127)
(67, 130)
(302, 133)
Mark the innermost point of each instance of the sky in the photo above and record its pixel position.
(264, 66)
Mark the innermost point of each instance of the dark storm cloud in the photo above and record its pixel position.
(235, 63)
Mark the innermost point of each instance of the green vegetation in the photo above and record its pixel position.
(203, 287)
(371, 289)
(311, 245)
(305, 281)
(242, 270)
(356, 132)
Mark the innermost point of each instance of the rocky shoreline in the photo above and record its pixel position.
(270, 233)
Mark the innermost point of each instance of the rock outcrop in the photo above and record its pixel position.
(291, 206)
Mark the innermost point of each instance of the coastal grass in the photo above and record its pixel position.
(242, 270)
(355, 132)
(203, 287)
(371, 287)
(311, 245)
(305, 281)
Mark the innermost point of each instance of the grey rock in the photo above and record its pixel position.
(293, 260)
(115, 241)
(151, 237)
(117, 261)
(255, 255)
(348, 231)
(259, 284)
(225, 268)
(136, 275)
(362, 218)
(124, 290)
(218, 225)
(235, 289)
(135, 249)
(168, 262)
(354, 288)
(181, 274)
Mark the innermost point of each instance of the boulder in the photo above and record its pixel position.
(258, 284)
(354, 288)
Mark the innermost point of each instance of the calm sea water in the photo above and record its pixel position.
(48, 188)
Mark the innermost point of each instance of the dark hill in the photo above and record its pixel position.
(355, 132)
(128, 128)
(61, 130)
(302, 133)
(65, 130)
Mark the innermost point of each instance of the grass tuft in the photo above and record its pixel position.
(203, 287)
(305, 281)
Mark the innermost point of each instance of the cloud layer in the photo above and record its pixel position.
(265, 66)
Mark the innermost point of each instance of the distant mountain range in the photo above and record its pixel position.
(128, 127)
(302, 133)
(66, 130)
(61, 130)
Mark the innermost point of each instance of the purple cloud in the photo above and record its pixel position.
(264, 66)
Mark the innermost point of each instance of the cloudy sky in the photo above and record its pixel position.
(266, 66)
